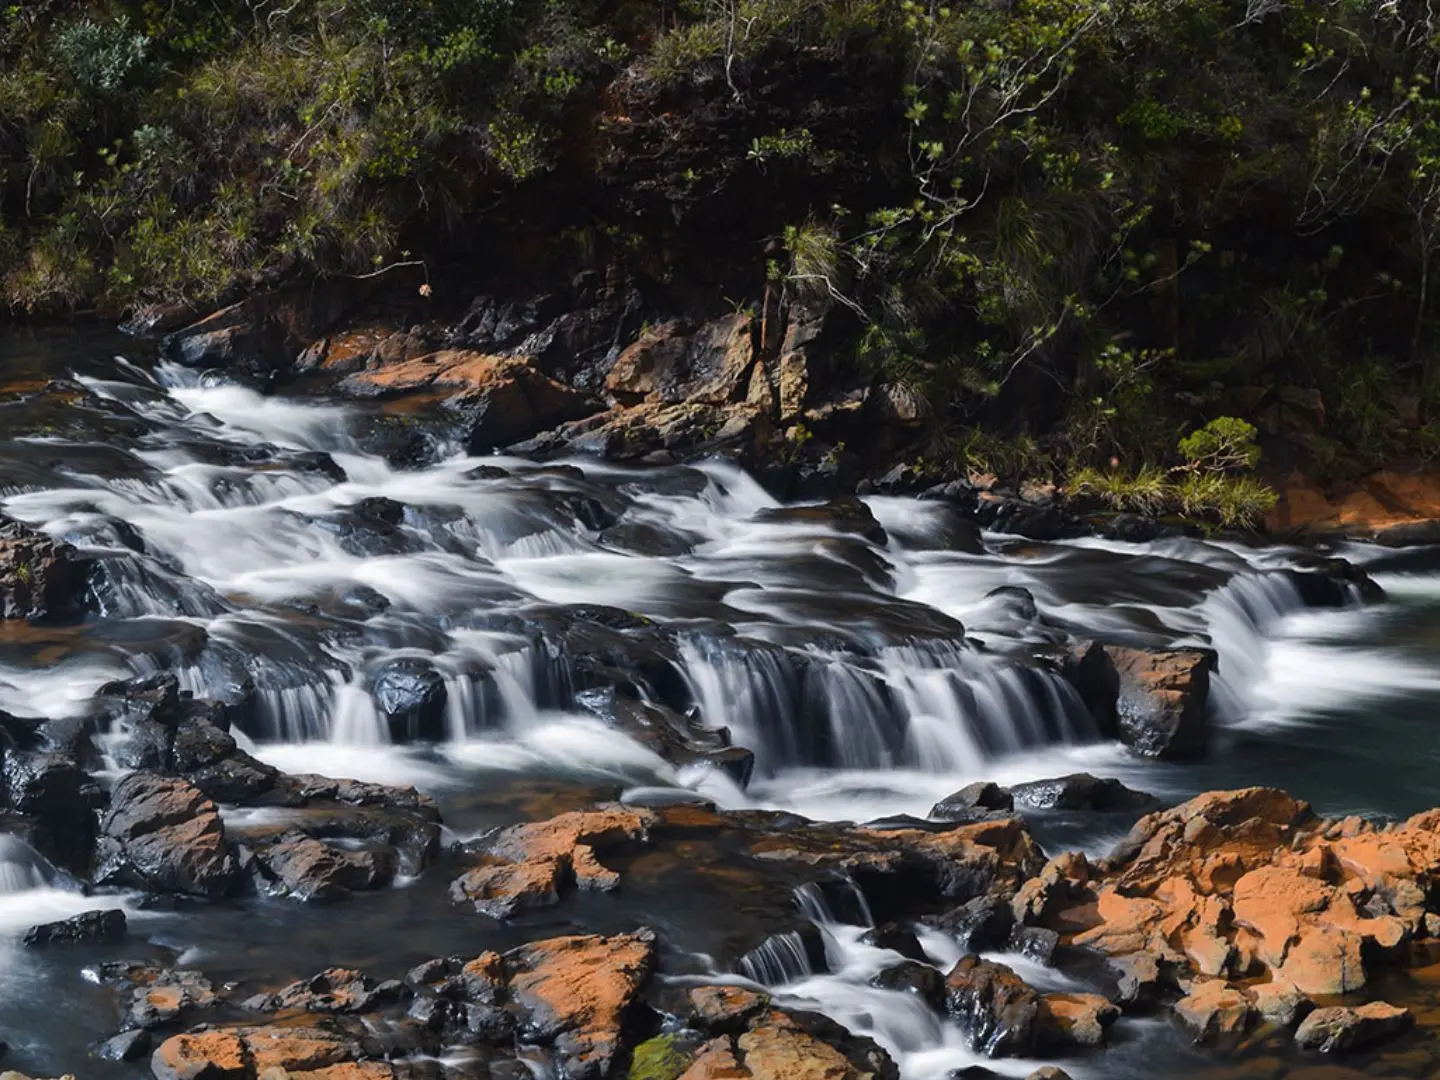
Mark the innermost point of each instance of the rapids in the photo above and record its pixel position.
(251, 544)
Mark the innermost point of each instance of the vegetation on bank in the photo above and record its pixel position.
(1077, 228)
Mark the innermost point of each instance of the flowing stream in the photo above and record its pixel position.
(241, 547)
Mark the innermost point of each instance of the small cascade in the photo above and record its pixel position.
(779, 959)
(1241, 618)
(21, 867)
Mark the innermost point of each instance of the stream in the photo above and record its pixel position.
(240, 538)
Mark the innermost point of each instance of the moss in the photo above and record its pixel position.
(662, 1058)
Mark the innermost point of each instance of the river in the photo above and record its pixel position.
(227, 526)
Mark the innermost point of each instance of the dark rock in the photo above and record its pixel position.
(40, 579)
(1163, 698)
(127, 1046)
(847, 515)
(1135, 529)
(972, 802)
(163, 833)
(92, 927)
(1032, 521)
(667, 733)
(311, 871)
(1090, 670)
(1338, 1029)
(336, 990)
(169, 997)
(982, 923)
(1081, 791)
(997, 1011)
(1334, 583)
(896, 938)
(919, 979)
(60, 796)
(1034, 943)
(411, 696)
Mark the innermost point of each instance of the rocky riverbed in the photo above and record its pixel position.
(318, 765)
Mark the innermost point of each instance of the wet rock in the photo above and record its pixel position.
(997, 1011)
(577, 996)
(1058, 884)
(804, 1046)
(972, 801)
(1075, 1020)
(127, 1046)
(1338, 1029)
(922, 980)
(59, 796)
(726, 1009)
(1162, 702)
(982, 923)
(163, 833)
(847, 515)
(40, 579)
(337, 990)
(1005, 514)
(168, 997)
(667, 733)
(311, 871)
(1035, 943)
(896, 938)
(92, 927)
(1089, 668)
(1081, 791)
(410, 696)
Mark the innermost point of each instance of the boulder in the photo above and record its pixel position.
(1337, 1029)
(922, 980)
(1081, 791)
(973, 801)
(205, 1055)
(410, 696)
(781, 1046)
(896, 938)
(311, 871)
(1214, 1010)
(165, 997)
(1089, 668)
(578, 995)
(1163, 694)
(92, 927)
(1068, 1021)
(726, 1008)
(40, 579)
(336, 990)
(998, 1012)
(129, 1045)
(59, 796)
(163, 833)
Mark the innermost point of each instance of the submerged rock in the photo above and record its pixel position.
(1081, 791)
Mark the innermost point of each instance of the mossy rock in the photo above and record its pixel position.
(664, 1057)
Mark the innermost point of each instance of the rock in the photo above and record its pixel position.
(1075, 1020)
(1056, 885)
(973, 800)
(671, 365)
(336, 990)
(410, 696)
(896, 938)
(503, 400)
(846, 515)
(922, 980)
(1034, 943)
(127, 1046)
(1090, 670)
(984, 922)
(311, 871)
(93, 927)
(1214, 1010)
(206, 1055)
(1279, 1003)
(1338, 1029)
(40, 579)
(163, 833)
(726, 1008)
(997, 1011)
(784, 1047)
(59, 795)
(1325, 961)
(1162, 702)
(576, 994)
(1081, 791)
(1048, 1072)
(168, 997)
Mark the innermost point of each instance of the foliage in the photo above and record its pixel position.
(659, 1058)
(1226, 444)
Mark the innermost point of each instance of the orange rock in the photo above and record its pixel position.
(723, 1007)
(296, 1049)
(1214, 1009)
(776, 1049)
(576, 992)
(350, 1070)
(716, 1060)
(1075, 1019)
(202, 1055)
(1270, 901)
(1325, 961)
(1126, 924)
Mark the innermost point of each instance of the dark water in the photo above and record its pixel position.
(840, 662)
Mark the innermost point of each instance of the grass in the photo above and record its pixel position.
(1229, 501)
